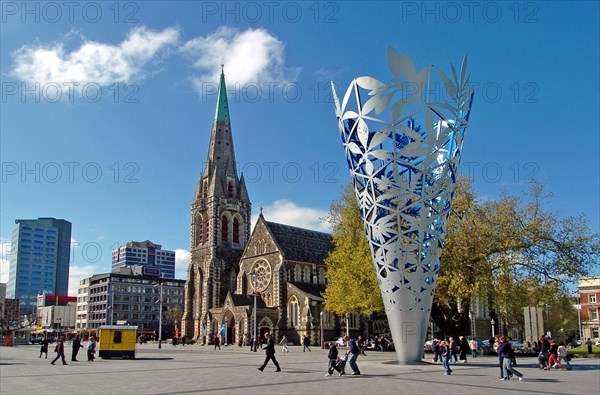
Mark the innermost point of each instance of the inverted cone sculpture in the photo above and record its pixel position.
(403, 150)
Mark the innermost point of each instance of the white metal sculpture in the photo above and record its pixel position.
(403, 149)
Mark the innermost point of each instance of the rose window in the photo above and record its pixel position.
(263, 275)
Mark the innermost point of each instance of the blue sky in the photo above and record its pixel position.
(106, 108)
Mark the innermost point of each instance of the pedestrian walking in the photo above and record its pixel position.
(269, 353)
(474, 347)
(562, 355)
(505, 351)
(306, 344)
(383, 343)
(463, 348)
(436, 347)
(553, 359)
(332, 356)
(44, 347)
(283, 342)
(60, 351)
(183, 340)
(452, 346)
(362, 345)
(544, 351)
(91, 349)
(76, 346)
(589, 345)
(354, 351)
(217, 342)
(445, 355)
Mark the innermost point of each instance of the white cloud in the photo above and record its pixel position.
(4, 268)
(93, 62)
(182, 261)
(249, 56)
(78, 273)
(5, 250)
(287, 212)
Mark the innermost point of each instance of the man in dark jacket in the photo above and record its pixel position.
(76, 346)
(269, 353)
(60, 351)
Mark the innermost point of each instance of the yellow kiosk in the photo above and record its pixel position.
(117, 341)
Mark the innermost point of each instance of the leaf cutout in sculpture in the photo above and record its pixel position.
(362, 131)
(371, 84)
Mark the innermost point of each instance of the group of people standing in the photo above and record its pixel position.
(59, 349)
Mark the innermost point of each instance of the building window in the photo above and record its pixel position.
(593, 314)
(224, 228)
(297, 274)
(353, 320)
(595, 333)
(307, 274)
(236, 230)
(205, 189)
(206, 230)
(293, 312)
(198, 230)
(592, 298)
(229, 190)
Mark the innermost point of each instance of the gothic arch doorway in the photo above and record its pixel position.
(229, 321)
(265, 325)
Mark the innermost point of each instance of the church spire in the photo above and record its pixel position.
(222, 111)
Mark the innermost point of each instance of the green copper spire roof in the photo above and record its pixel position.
(222, 111)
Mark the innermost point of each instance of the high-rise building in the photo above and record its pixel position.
(39, 260)
(154, 260)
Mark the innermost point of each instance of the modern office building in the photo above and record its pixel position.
(146, 254)
(129, 297)
(39, 260)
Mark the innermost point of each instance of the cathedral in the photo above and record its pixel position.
(281, 266)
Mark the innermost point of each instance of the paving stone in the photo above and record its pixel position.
(232, 370)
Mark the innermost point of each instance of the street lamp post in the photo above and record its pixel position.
(347, 324)
(579, 317)
(160, 309)
(253, 277)
(321, 323)
(59, 320)
(493, 328)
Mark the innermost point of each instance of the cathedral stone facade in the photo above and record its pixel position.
(283, 264)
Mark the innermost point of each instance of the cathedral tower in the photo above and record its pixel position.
(220, 227)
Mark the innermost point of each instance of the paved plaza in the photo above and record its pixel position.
(232, 370)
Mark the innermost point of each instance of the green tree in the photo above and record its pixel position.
(510, 252)
(351, 280)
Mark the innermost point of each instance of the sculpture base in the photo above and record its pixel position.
(409, 329)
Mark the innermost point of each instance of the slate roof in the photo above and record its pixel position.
(313, 290)
(245, 300)
(299, 244)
